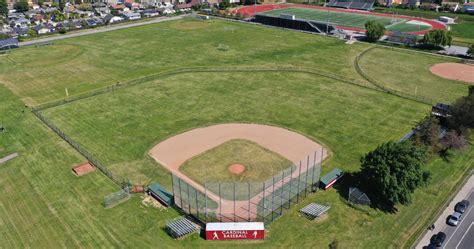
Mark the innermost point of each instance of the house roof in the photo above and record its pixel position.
(8, 42)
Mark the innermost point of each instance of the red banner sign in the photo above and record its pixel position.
(235, 235)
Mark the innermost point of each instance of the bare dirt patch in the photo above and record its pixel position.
(149, 201)
(454, 71)
(236, 168)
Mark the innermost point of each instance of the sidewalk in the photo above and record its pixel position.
(441, 221)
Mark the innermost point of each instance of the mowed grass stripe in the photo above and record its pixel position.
(151, 117)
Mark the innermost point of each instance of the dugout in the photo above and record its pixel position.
(160, 194)
(330, 178)
(294, 23)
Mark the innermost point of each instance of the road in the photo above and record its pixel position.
(99, 30)
(461, 236)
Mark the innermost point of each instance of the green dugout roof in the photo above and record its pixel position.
(330, 178)
(157, 191)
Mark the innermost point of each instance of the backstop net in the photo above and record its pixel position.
(262, 201)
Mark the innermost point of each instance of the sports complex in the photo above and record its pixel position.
(347, 19)
(243, 134)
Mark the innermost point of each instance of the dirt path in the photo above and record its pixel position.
(454, 71)
(173, 152)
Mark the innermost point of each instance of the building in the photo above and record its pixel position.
(469, 8)
(8, 43)
(132, 15)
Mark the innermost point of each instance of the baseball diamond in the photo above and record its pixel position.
(139, 134)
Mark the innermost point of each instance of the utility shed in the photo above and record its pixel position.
(160, 193)
(330, 178)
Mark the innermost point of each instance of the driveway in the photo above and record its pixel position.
(99, 30)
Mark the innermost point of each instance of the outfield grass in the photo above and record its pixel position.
(213, 165)
(416, 78)
(348, 19)
(44, 205)
(88, 62)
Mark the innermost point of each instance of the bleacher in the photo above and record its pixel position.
(352, 4)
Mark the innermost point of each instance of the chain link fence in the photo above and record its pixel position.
(116, 198)
(262, 201)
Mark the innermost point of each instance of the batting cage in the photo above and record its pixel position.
(237, 201)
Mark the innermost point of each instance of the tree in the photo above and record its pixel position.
(462, 113)
(374, 30)
(393, 171)
(31, 33)
(427, 133)
(3, 8)
(454, 140)
(437, 38)
(470, 51)
(224, 4)
(58, 16)
(21, 6)
(4, 36)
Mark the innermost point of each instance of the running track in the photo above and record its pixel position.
(249, 11)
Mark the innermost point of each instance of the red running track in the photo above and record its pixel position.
(249, 11)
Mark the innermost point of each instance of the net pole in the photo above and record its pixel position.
(234, 202)
(263, 204)
(180, 193)
(189, 200)
(220, 202)
(306, 177)
(298, 187)
(197, 204)
(281, 192)
(249, 199)
(273, 194)
(205, 200)
(314, 168)
(291, 183)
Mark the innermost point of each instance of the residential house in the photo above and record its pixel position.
(113, 19)
(150, 13)
(132, 15)
(40, 29)
(469, 8)
(21, 22)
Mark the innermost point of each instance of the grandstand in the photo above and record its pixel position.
(352, 4)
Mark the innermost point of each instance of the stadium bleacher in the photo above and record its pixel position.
(352, 4)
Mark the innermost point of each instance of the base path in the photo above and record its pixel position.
(454, 71)
(173, 152)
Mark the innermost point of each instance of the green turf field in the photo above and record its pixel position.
(43, 205)
(351, 20)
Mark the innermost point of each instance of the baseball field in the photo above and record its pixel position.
(301, 82)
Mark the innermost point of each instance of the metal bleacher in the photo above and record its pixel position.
(352, 4)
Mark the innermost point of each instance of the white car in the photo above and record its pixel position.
(454, 219)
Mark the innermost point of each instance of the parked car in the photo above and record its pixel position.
(438, 239)
(461, 206)
(454, 219)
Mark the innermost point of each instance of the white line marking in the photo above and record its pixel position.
(459, 224)
(469, 228)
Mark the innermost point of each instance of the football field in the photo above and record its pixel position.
(351, 19)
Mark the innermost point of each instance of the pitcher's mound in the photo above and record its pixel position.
(454, 71)
(236, 168)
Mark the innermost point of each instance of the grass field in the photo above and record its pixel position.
(351, 20)
(44, 205)
(425, 84)
(213, 165)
